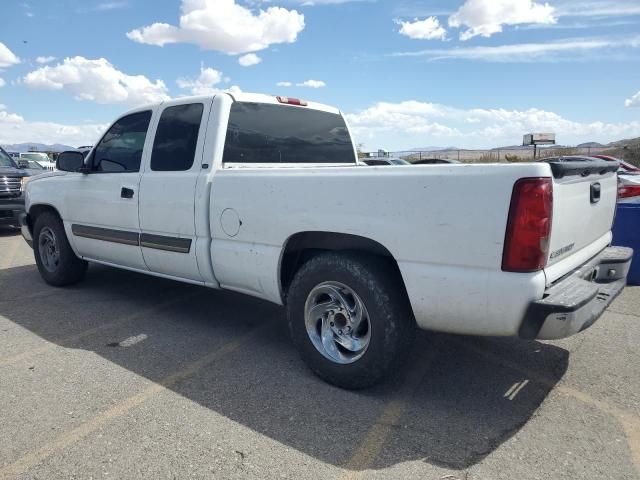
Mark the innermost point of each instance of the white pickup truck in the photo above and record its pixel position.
(264, 195)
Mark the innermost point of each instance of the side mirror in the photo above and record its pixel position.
(70, 161)
(22, 163)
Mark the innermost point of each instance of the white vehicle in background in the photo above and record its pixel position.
(264, 195)
(42, 158)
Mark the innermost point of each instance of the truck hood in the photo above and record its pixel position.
(16, 172)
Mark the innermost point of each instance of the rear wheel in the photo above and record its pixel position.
(350, 321)
(57, 263)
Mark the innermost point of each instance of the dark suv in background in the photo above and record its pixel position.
(12, 180)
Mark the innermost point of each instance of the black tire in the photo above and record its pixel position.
(391, 319)
(69, 269)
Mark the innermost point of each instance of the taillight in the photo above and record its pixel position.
(292, 101)
(627, 191)
(526, 242)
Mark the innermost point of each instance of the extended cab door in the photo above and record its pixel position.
(102, 206)
(168, 187)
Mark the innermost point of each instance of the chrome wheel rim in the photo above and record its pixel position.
(337, 322)
(48, 249)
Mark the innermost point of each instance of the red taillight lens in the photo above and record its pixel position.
(526, 242)
(627, 191)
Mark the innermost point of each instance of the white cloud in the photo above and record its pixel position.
(397, 126)
(98, 81)
(427, 29)
(634, 101)
(15, 129)
(207, 83)
(225, 26)
(600, 8)
(284, 84)
(2, 82)
(486, 17)
(43, 60)
(7, 57)
(105, 6)
(249, 60)
(569, 49)
(312, 84)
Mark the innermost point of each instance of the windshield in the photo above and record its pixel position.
(32, 164)
(38, 157)
(5, 159)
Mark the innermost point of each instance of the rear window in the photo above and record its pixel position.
(264, 133)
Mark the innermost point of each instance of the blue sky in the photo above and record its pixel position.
(409, 73)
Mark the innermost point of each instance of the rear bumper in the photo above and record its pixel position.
(24, 228)
(10, 209)
(575, 302)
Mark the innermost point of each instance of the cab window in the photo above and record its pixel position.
(174, 147)
(120, 150)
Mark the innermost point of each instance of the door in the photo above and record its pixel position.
(168, 187)
(102, 206)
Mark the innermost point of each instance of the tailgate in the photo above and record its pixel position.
(584, 201)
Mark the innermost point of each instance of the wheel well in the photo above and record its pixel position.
(303, 246)
(37, 210)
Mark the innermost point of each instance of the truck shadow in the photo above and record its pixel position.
(471, 396)
(9, 231)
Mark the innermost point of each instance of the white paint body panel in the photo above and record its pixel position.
(444, 225)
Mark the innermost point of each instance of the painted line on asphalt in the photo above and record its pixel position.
(365, 455)
(515, 389)
(630, 422)
(74, 435)
(49, 344)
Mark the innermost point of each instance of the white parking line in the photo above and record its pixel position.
(129, 342)
(515, 389)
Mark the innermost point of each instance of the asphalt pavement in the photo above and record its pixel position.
(131, 376)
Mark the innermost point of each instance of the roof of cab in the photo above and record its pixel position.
(238, 97)
(273, 99)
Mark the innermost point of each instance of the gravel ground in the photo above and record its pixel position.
(129, 376)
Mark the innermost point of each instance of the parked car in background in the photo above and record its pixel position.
(12, 182)
(31, 166)
(434, 161)
(40, 157)
(381, 161)
(628, 180)
(624, 166)
(85, 150)
(263, 195)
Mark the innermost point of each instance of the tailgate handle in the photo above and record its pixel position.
(595, 192)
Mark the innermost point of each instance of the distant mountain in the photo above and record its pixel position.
(37, 147)
(622, 143)
(590, 145)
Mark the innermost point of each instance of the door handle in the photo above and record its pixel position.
(126, 192)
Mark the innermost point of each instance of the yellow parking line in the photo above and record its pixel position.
(73, 436)
(74, 338)
(630, 422)
(374, 441)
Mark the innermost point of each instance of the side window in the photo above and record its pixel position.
(120, 150)
(175, 144)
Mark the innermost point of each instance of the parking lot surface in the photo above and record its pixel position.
(131, 376)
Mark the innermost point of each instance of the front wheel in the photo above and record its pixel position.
(57, 263)
(349, 319)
